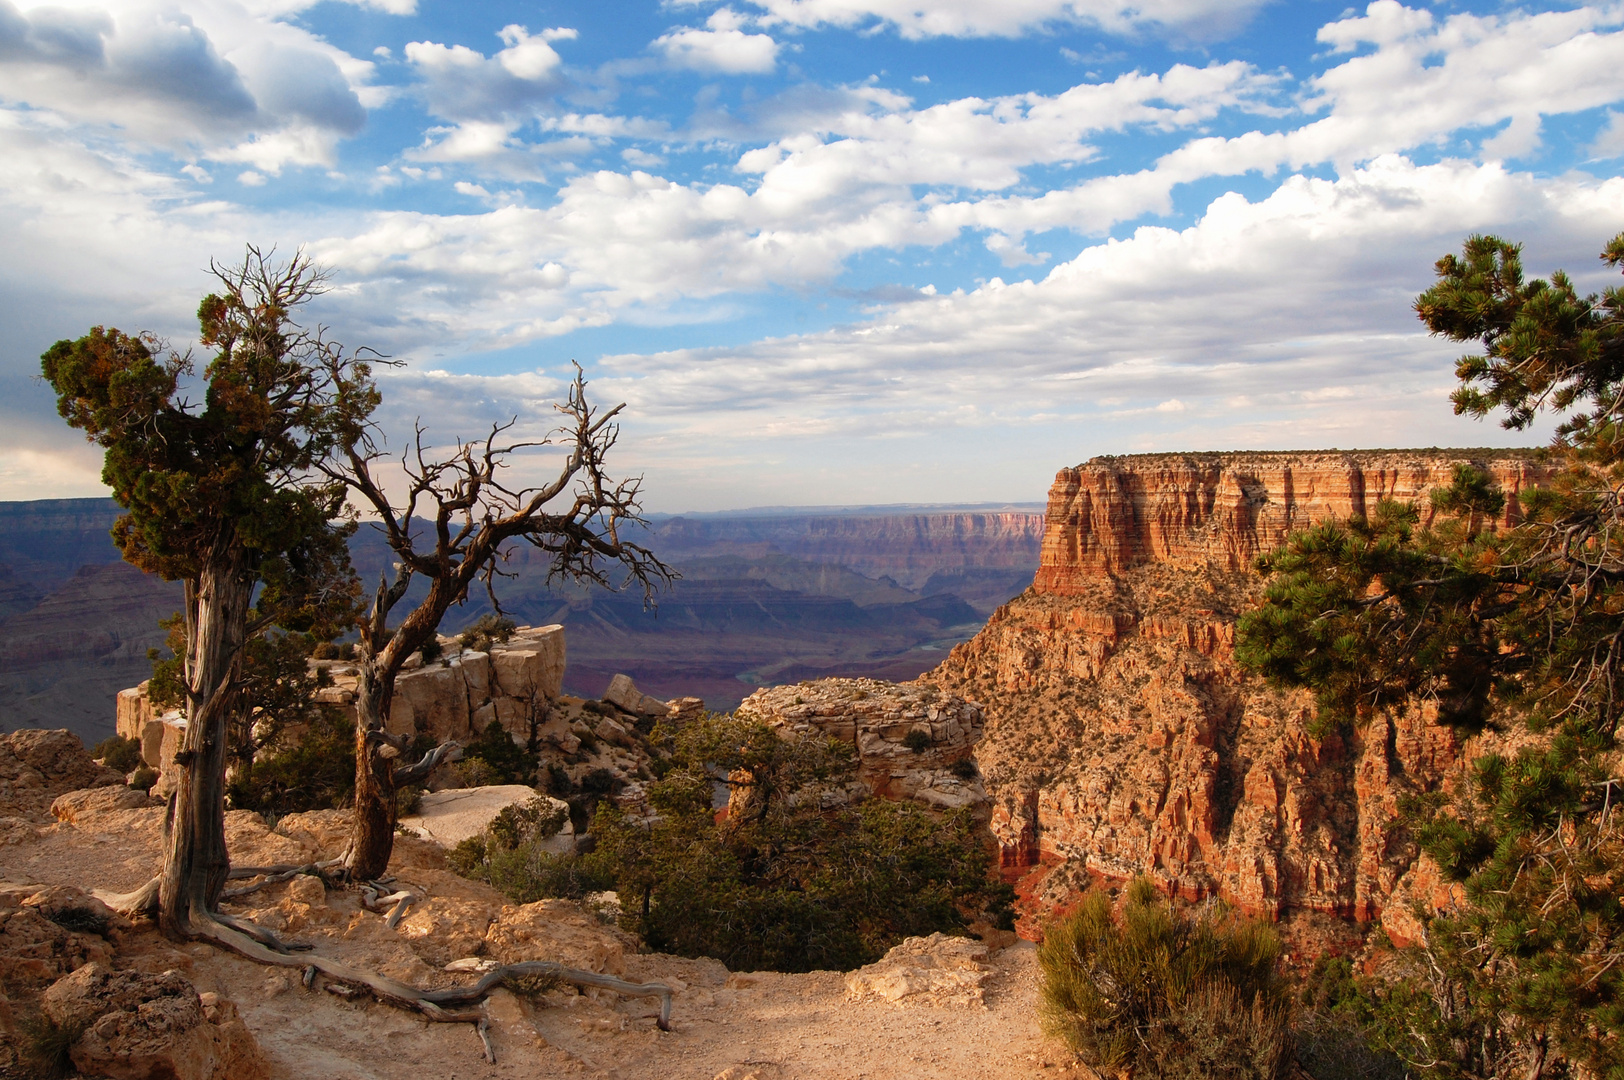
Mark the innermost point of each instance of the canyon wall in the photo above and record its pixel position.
(1122, 738)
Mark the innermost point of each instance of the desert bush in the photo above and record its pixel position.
(431, 651)
(1166, 994)
(964, 769)
(918, 740)
(795, 878)
(316, 773)
(504, 761)
(143, 778)
(119, 753)
(46, 1045)
(478, 636)
(509, 856)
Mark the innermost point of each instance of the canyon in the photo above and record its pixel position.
(1121, 738)
(764, 597)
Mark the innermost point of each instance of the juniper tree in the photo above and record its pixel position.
(1516, 628)
(221, 494)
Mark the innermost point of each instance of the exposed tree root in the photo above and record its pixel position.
(143, 901)
(273, 874)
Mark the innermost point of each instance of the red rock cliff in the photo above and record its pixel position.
(1121, 737)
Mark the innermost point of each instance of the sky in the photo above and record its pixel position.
(825, 251)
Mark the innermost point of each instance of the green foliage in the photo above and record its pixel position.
(494, 758)
(315, 772)
(1522, 625)
(965, 769)
(794, 879)
(1162, 993)
(478, 636)
(917, 740)
(143, 778)
(509, 855)
(121, 754)
(432, 650)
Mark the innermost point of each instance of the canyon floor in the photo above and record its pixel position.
(726, 1025)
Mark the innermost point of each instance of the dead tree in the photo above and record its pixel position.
(451, 527)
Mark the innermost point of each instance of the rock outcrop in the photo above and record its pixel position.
(1123, 739)
(908, 737)
(37, 765)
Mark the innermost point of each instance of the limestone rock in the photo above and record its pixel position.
(939, 969)
(37, 765)
(35, 950)
(531, 663)
(908, 737)
(451, 816)
(624, 693)
(561, 931)
(139, 1026)
(682, 710)
(78, 807)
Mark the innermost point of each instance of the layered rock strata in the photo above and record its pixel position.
(1123, 739)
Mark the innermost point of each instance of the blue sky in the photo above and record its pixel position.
(827, 251)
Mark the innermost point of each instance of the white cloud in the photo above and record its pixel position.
(723, 47)
(205, 81)
(462, 84)
(1008, 18)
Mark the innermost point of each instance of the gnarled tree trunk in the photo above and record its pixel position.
(195, 859)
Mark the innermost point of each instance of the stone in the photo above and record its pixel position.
(530, 664)
(683, 710)
(622, 692)
(877, 717)
(433, 701)
(71, 907)
(939, 969)
(1126, 740)
(451, 816)
(80, 807)
(561, 931)
(140, 1026)
(441, 929)
(37, 765)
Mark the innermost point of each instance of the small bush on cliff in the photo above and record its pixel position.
(119, 753)
(1166, 994)
(494, 758)
(793, 878)
(485, 630)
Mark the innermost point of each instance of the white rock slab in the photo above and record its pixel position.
(451, 816)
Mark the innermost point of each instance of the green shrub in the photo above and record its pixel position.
(45, 1045)
(143, 778)
(504, 761)
(119, 753)
(1166, 994)
(478, 636)
(918, 740)
(317, 773)
(794, 879)
(965, 769)
(509, 856)
(431, 651)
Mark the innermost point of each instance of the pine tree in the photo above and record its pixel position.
(1521, 627)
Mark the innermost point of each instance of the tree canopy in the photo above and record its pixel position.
(1518, 629)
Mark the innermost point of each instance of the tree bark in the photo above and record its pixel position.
(374, 836)
(196, 862)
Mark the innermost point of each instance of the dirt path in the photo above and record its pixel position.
(725, 1026)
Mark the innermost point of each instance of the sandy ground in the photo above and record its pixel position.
(725, 1026)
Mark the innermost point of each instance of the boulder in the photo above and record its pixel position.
(531, 664)
(37, 765)
(683, 710)
(624, 694)
(939, 969)
(33, 949)
(451, 816)
(561, 931)
(139, 1026)
(80, 807)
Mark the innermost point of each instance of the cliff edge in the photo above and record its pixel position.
(1121, 737)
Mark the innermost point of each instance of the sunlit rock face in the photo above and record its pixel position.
(1121, 737)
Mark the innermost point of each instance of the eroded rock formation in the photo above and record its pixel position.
(1122, 738)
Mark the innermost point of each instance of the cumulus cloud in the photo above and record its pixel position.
(208, 81)
(462, 84)
(723, 47)
(1008, 18)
